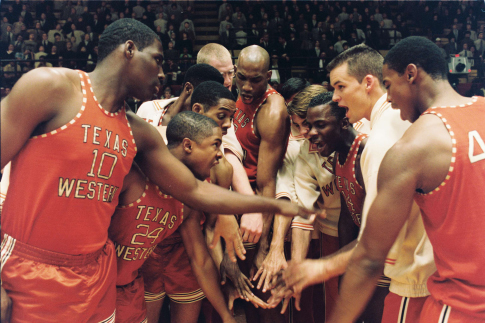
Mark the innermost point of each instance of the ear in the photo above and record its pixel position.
(187, 145)
(129, 49)
(345, 123)
(369, 81)
(411, 73)
(268, 74)
(198, 108)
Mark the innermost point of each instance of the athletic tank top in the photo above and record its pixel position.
(454, 214)
(346, 182)
(65, 184)
(244, 127)
(138, 227)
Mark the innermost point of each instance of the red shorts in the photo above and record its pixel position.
(437, 312)
(130, 302)
(402, 309)
(47, 286)
(168, 272)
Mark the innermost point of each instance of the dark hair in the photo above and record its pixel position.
(191, 125)
(362, 60)
(326, 98)
(122, 30)
(209, 93)
(293, 86)
(419, 51)
(199, 73)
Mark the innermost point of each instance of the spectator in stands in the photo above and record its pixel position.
(172, 72)
(313, 23)
(225, 9)
(265, 43)
(139, 10)
(452, 47)
(171, 53)
(30, 44)
(480, 44)
(161, 22)
(11, 73)
(187, 26)
(467, 40)
(17, 25)
(228, 38)
(82, 56)
(167, 93)
(185, 60)
(176, 11)
(51, 33)
(440, 45)
(465, 52)
(223, 24)
(253, 35)
(378, 16)
(282, 52)
(394, 35)
(185, 42)
(171, 30)
(53, 56)
(78, 34)
(8, 36)
(339, 45)
(241, 37)
(25, 13)
(239, 21)
(46, 43)
(19, 44)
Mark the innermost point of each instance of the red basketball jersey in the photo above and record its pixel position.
(65, 184)
(137, 228)
(346, 181)
(244, 127)
(454, 214)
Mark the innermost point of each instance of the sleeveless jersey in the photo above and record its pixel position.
(454, 215)
(346, 181)
(65, 184)
(244, 127)
(138, 227)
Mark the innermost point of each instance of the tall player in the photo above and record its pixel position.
(262, 128)
(53, 111)
(216, 55)
(432, 165)
(195, 140)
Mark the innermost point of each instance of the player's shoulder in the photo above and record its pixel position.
(50, 79)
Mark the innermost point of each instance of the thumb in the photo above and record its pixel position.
(223, 277)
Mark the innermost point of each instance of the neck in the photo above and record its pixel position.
(347, 138)
(108, 86)
(433, 93)
(374, 96)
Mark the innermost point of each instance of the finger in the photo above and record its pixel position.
(261, 279)
(256, 237)
(259, 272)
(245, 235)
(240, 250)
(223, 277)
(231, 253)
(259, 302)
(285, 305)
(267, 281)
(297, 301)
(230, 303)
(215, 240)
(247, 281)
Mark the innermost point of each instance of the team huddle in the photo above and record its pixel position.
(108, 212)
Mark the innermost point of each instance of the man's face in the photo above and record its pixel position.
(206, 154)
(324, 128)
(226, 68)
(349, 93)
(300, 124)
(222, 113)
(399, 93)
(252, 80)
(146, 68)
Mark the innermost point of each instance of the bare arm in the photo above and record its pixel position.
(251, 223)
(202, 265)
(397, 182)
(273, 127)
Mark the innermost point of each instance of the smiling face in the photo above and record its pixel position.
(222, 113)
(325, 129)
(146, 70)
(351, 94)
(399, 94)
(205, 154)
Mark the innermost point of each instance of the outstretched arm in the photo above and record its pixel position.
(173, 177)
(397, 182)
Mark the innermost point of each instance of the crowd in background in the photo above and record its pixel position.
(304, 34)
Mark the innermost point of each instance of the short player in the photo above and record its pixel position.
(74, 128)
(429, 165)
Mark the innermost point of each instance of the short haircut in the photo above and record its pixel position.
(299, 105)
(421, 52)
(209, 93)
(199, 73)
(326, 98)
(213, 51)
(191, 125)
(362, 60)
(292, 86)
(121, 31)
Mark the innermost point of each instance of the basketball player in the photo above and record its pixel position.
(216, 55)
(262, 128)
(356, 75)
(69, 133)
(195, 140)
(438, 163)
(331, 132)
